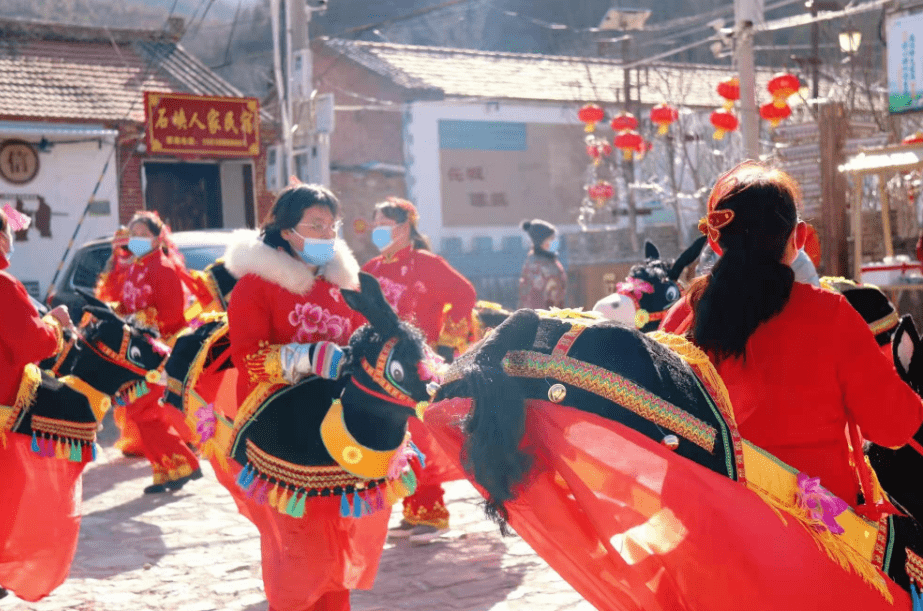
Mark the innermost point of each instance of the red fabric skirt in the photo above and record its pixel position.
(305, 558)
(632, 526)
(39, 518)
(439, 467)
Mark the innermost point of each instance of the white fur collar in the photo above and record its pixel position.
(247, 254)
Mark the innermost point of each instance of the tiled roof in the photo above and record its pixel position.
(66, 72)
(464, 73)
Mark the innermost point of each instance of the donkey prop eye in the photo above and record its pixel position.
(396, 372)
(672, 293)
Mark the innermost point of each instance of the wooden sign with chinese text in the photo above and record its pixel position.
(201, 126)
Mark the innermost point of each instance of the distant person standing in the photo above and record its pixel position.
(543, 283)
(430, 294)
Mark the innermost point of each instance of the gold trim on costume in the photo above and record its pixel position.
(84, 431)
(265, 365)
(25, 398)
(301, 476)
(354, 457)
(55, 324)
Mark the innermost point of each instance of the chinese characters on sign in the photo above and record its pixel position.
(905, 73)
(190, 125)
(478, 199)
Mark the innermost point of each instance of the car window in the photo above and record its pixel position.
(87, 266)
(200, 257)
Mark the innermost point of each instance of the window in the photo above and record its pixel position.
(87, 266)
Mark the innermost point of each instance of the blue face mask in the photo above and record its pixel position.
(316, 251)
(381, 236)
(140, 246)
(555, 243)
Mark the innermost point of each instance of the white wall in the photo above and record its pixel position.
(421, 150)
(66, 177)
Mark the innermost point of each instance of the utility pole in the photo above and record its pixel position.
(629, 164)
(312, 147)
(282, 89)
(746, 13)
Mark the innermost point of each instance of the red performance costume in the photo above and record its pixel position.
(427, 292)
(309, 563)
(40, 504)
(802, 422)
(151, 288)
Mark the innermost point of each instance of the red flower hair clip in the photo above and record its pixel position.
(406, 206)
(711, 224)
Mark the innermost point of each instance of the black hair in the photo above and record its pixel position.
(286, 213)
(3, 220)
(396, 209)
(148, 222)
(749, 284)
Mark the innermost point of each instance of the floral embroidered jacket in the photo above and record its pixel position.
(25, 337)
(151, 287)
(278, 300)
(427, 292)
(806, 369)
(543, 283)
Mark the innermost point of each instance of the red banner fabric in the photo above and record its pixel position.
(201, 126)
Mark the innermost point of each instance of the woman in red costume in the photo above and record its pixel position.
(151, 289)
(797, 360)
(429, 293)
(287, 319)
(39, 520)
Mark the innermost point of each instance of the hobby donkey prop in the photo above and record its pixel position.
(317, 465)
(651, 288)
(47, 436)
(616, 456)
(118, 358)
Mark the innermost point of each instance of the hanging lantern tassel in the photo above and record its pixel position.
(663, 115)
(600, 192)
(591, 114)
(628, 142)
(774, 113)
(724, 122)
(729, 89)
(781, 87)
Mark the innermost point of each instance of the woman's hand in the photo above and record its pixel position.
(62, 315)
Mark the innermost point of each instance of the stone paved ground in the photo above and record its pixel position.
(192, 551)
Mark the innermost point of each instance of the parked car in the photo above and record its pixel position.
(199, 248)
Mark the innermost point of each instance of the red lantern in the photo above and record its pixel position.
(724, 122)
(773, 113)
(628, 142)
(591, 114)
(916, 138)
(663, 115)
(600, 192)
(729, 89)
(623, 122)
(597, 148)
(781, 86)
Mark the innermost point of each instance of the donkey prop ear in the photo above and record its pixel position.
(516, 332)
(91, 299)
(688, 256)
(904, 346)
(651, 252)
(371, 303)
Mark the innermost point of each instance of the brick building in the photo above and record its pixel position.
(72, 126)
(481, 140)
